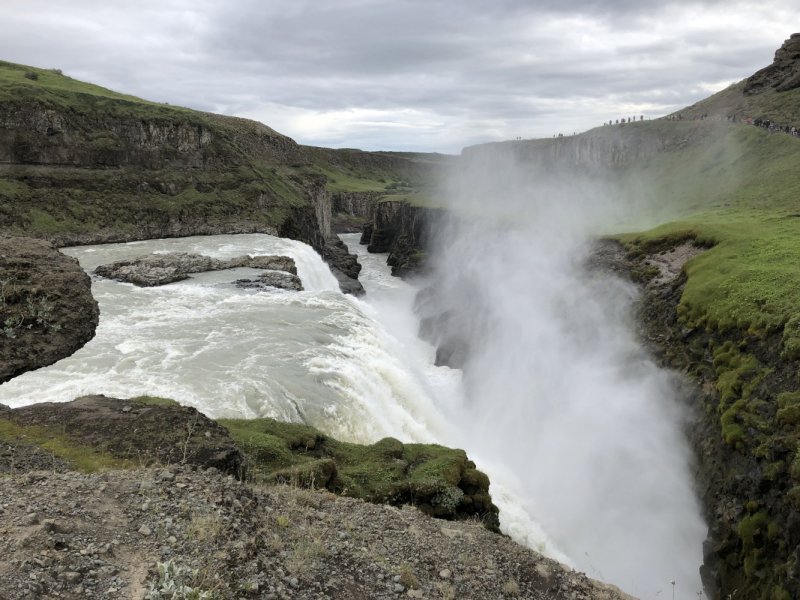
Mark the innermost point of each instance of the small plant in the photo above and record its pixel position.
(42, 312)
(447, 591)
(32, 75)
(205, 526)
(407, 577)
(511, 588)
(282, 520)
(10, 326)
(171, 583)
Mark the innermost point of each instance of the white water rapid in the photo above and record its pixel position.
(353, 368)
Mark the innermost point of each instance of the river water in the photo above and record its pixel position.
(351, 367)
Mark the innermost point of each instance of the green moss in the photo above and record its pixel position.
(778, 593)
(87, 459)
(794, 496)
(751, 526)
(441, 480)
(154, 400)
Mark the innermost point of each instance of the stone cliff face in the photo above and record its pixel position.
(35, 135)
(406, 232)
(615, 146)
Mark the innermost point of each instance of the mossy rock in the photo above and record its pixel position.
(441, 481)
(95, 432)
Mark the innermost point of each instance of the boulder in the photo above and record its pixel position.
(47, 311)
(272, 279)
(151, 431)
(161, 269)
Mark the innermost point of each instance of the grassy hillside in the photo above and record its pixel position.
(81, 164)
(738, 190)
(21, 85)
(782, 108)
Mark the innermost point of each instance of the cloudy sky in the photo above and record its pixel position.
(429, 75)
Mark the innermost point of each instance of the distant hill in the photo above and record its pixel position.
(82, 164)
(772, 93)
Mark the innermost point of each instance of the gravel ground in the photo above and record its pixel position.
(69, 536)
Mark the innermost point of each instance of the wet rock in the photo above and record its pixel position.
(160, 269)
(348, 285)
(272, 279)
(47, 311)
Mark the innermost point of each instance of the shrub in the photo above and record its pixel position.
(33, 76)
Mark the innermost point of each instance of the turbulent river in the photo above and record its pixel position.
(352, 367)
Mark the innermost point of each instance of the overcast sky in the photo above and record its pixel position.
(429, 75)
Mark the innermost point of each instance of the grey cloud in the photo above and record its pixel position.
(516, 64)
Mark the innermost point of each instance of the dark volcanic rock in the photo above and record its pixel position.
(135, 430)
(348, 285)
(272, 279)
(344, 266)
(783, 74)
(160, 269)
(47, 311)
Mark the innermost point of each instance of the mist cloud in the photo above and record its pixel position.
(404, 75)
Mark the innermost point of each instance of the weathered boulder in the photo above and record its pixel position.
(47, 311)
(142, 431)
(272, 279)
(160, 269)
(783, 74)
(348, 285)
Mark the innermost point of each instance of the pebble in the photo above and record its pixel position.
(144, 530)
(445, 573)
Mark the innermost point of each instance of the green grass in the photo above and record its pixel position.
(55, 91)
(357, 180)
(737, 190)
(87, 459)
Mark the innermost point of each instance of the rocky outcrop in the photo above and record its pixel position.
(47, 311)
(344, 266)
(141, 431)
(406, 232)
(160, 269)
(272, 279)
(783, 74)
(442, 482)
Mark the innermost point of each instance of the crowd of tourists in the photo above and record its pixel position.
(770, 126)
(624, 120)
(759, 122)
